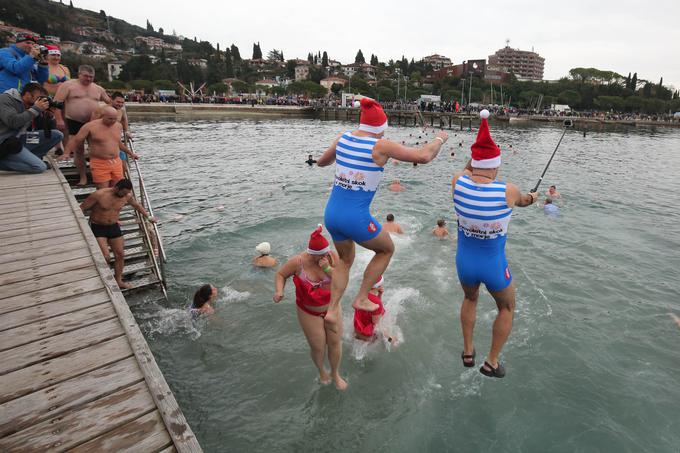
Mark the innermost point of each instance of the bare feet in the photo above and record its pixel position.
(82, 182)
(339, 382)
(324, 377)
(364, 304)
(123, 285)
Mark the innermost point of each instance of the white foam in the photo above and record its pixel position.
(229, 294)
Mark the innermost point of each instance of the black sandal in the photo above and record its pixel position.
(468, 359)
(497, 372)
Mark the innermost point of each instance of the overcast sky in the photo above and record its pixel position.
(622, 36)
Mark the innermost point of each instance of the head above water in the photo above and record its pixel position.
(203, 295)
(552, 189)
(548, 200)
(390, 217)
(263, 248)
(441, 223)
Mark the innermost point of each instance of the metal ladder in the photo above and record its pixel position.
(144, 253)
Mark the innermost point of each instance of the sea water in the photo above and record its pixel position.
(593, 361)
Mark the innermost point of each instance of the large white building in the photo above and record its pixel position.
(437, 61)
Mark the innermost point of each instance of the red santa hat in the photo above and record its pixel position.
(318, 245)
(379, 283)
(373, 118)
(485, 153)
(53, 50)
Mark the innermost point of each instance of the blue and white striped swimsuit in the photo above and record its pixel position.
(483, 219)
(357, 178)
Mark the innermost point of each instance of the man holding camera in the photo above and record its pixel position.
(22, 63)
(21, 146)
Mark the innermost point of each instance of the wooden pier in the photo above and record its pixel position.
(76, 373)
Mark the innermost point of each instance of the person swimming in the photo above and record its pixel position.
(203, 298)
(550, 208)
(310, 160)
(264, 260)
(440, 230)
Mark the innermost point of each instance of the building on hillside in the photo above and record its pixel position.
(114, 69)
(92, 48)
(269, 83)
(301, 72)
(52, 39)
(524, 64)
(437, 61)
(70, 46)
(200, 62)
(350, 69)
(334, 64)
(328, 82)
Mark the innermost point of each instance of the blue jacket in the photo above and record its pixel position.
(17, 68)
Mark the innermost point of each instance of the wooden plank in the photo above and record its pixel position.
(23, 191)
(32, 206)
(91, 420)
(44, 260)
(33, 222)
(8, 198)
(67, 222)
(35, 253)
(31, 214)
(147, 433)
(37, 313)
(68, 236)
(37, 272)
(170, 449)
(48, 281)
(28, 333)
(35, 407)
(47, 348)
(44, 374)
(182, 436)
(50, 294)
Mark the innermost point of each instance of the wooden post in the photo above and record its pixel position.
(461, 124)
(470, 124)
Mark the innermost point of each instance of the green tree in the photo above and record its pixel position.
(149, 27)
(374, 60)
(385, 94)
(144, 85)
(238, 86)
(336, 88)
(218, 88)
(257, 52)
(228, 65)
(275, 55)
(310, 58)
(235, 55)
(569, 97)
(360, 57)
(324, 59)
(164, 84)
(307, 88)
(634, 82)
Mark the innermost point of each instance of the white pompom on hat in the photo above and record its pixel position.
(263, 248)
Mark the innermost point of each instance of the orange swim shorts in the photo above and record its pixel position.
(104, 170)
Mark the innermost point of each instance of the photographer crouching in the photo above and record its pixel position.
(26, 132)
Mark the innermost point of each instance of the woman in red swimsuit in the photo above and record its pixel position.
(312, 271)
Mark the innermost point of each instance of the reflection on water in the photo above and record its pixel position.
(593, 357)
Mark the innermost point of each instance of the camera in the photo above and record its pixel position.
(43, 51)
(53, 104)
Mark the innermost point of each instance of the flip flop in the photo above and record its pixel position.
(466, 359)
(497, 372)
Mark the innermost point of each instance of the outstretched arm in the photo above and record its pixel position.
(139, 208)
(328, 156)
(514, 197)
(385, 149)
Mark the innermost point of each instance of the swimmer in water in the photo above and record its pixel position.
(549, 208)
(440, 230)
(395, 186)
(391, 226)
(675, 318)
(553, 193)
(204, 297)
(264, 260)
(310, 160)
(365, 321)
(360, 158)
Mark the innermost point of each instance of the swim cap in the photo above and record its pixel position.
(263, 248)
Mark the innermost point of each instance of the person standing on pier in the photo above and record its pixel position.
(81, 97)
(483, 206)
(105, 206)
(360, 158)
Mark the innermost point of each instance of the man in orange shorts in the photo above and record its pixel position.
(103, 137)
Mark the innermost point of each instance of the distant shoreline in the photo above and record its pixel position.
(246, 110)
